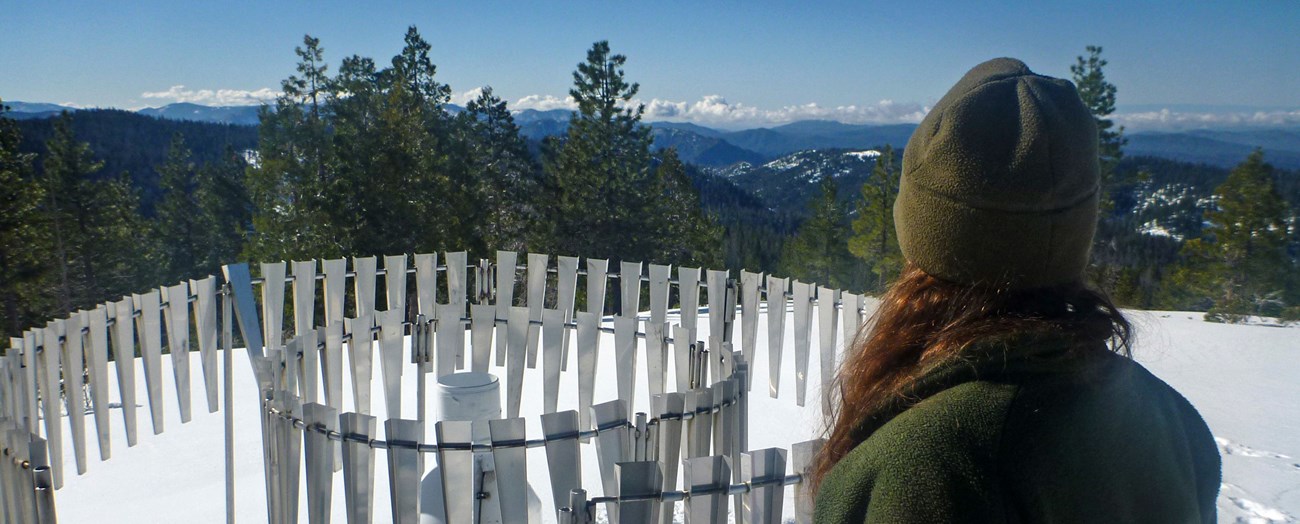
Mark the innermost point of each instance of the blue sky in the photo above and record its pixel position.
(725, 63)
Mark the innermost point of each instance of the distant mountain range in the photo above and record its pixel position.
(238, 115)
(714, 148)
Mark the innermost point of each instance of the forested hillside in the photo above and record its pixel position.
(136, 144)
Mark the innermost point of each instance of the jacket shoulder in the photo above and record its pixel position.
(934, 462)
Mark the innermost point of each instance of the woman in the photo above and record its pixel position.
(993, 385)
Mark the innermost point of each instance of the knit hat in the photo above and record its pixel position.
(1000, 181)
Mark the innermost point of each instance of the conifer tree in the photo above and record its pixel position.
(224, 212)
(602, 172)
(608, 199)
(94, 223)
(1240, 262)
(177, 227)
(687, 235)
(874, 240)
(288, 184)
(1099, 96)
(1107, 267)
(506, 188)
(22, 235)
(819, 251)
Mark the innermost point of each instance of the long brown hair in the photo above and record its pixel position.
(923, 321)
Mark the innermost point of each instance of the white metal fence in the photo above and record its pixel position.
(696, 431)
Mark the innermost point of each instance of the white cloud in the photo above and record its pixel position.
(218, 97)
(1167, 120)
(544, 103)
(717, 110)
(463, 98)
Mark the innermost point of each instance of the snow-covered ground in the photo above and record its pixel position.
(1245, 380)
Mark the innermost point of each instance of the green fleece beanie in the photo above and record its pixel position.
(1000, 181)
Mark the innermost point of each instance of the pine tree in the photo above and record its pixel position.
(224, 212)
(177, 227)
(22, 235)
(506, 186)
(819, 251)
(687, 235)
(288, 184)
(1107, 267)
(601, 173)
(874, 240)
(1099, 96)
(93, 220)
(1240, 262)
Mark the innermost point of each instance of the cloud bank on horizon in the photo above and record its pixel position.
(1167, 120)
(213, 97)
(717, 111)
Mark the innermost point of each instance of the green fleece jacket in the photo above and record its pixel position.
(1028, 430)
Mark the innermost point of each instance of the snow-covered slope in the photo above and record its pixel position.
(1244, 380)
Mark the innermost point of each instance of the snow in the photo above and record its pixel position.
(1242, 378)
(784, 163)
(869, 154)
(1153, 228)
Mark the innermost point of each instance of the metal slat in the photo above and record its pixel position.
(457, 469)
(625, 330)
(749, 283)
(406, 465)
(390, 361)
(656, 356)
(517, 328)
(552, 352)
(450, 334)
(803, 295)
(707, 480)
(639, 487)
(629, 282)
(597, 271)
(563, 455)
(717, 290)
(511, 469)
(670, 442)
(177, 317)
(320, 460)
(124, 359)
(150, 326)
(763, 504)
(804, 453)
(567, 281)
(776, 288)
(505, 296)
(74, 373)
(335, 288)
(361, 358)
(827, 327)
(47, 359)
(588, 355)
(364, 271)
(613, 444)
(97, 361)
(304, 296)
(537, 263)
(426, 284)
(358, 467)
(483, 320)
(205, 327)
(395, 283)
(273, 304)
